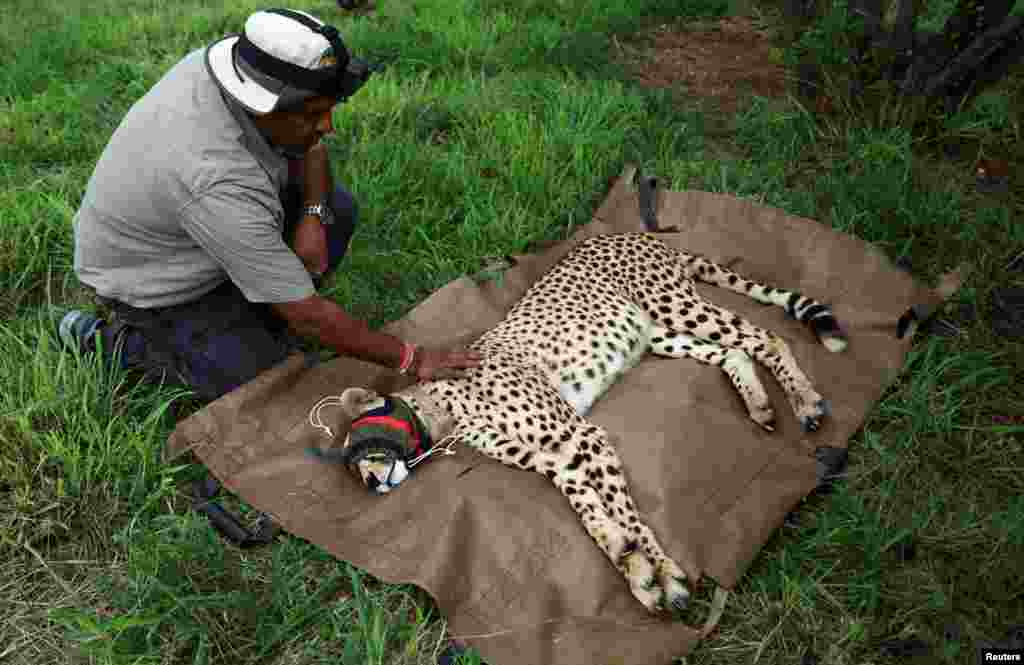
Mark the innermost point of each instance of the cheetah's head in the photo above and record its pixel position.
(386, 435)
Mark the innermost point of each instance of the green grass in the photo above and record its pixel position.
(495, 126)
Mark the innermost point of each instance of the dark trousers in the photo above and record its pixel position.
(220, 341)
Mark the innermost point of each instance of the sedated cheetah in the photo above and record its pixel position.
(586, 322)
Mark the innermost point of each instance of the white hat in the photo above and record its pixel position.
(289, 44)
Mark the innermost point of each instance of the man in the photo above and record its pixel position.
(185, 226)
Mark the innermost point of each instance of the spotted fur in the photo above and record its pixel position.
(577, 329)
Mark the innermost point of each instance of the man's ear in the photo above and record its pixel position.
(354, 401)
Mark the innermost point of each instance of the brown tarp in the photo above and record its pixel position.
(499, 549)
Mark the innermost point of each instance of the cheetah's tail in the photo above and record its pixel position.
(820, 319)
(817, 316)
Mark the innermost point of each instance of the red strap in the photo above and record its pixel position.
(387, 421)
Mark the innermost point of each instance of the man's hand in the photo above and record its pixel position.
(309, 243)
(434, 364)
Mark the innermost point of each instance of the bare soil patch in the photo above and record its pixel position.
(722, 62)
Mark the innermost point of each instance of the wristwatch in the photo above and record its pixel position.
(320, 210)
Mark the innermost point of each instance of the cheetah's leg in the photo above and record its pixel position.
(566, 471)
(682, 309)
(771, 351)
(605, 475)
(734, 362)
(817, 316)
(611, 535)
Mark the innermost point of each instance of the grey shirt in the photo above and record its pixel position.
(186, 195)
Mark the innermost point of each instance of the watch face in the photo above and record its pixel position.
(321, 211)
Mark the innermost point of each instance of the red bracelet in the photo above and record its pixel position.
(408, 355)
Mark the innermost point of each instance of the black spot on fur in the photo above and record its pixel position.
(577, 459)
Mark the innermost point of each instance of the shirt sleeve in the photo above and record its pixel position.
(242, 231)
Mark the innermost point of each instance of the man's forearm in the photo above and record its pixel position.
(309, 240)
(316, 177)
(349, 336)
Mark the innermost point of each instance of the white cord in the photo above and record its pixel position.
(444, 446)
(314, 413)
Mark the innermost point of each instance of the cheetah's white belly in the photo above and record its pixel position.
(587, 377)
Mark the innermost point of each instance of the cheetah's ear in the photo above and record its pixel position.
(354, 401)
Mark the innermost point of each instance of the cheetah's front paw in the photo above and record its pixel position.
(673, 582)
(639, 571)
